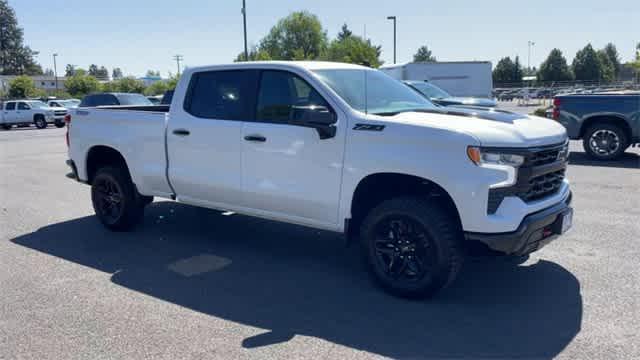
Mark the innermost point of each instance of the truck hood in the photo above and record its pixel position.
(472, 101)
(492, 128)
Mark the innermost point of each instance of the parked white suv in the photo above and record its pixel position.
(26, 112)
(338, 147)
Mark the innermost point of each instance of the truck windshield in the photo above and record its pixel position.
(133, 99)
(373, 92)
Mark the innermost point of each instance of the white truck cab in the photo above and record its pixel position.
(27, 112)
(338, 147)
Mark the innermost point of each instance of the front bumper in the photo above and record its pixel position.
(534, 232)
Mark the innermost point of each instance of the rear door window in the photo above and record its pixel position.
(23, 106)
(11, 106)
(223, 95)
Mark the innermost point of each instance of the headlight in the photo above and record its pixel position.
(485, 157)
(492, 159)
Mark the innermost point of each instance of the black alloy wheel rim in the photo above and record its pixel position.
(108, 199)
(604, 142)
(404, 251)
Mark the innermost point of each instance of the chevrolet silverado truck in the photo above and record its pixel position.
(27, 112)
(608, 124)
(338, 147)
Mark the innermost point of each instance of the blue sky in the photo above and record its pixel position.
(137, 35)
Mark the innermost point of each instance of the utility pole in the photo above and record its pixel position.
(394, 36)
(529, 44)
(244, 20)
(178, 59)
(55, 70)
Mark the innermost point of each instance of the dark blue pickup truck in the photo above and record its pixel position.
(607, 123)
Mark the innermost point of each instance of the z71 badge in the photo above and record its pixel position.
(368, 127)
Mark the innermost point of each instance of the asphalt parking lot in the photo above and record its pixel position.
(193, 283)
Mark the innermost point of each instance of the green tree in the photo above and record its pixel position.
(555, 68)
(424, 55)
(153, 73)
(103, 73)
(172, 82)
(70, 70)
(518, 71)
(299, 36)
(503, 71)
(607, 68)
(80, 85)
(614, 58)
(15, 57)
(21, 87)
(344, 32)
(586, 64)
(129, 85)
(116, 74)
(254, 55)
(354, 49)
(157, 88)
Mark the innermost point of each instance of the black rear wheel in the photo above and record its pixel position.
(605, 141)
(40, 122)
(115, 200)
(6, 126)
(411, 246)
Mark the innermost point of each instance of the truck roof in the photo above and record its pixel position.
(308, 65)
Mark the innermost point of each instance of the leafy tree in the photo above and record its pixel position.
(80, 85)
(344, 32)
(614, 58)
(299, 36)
(503, 71)
(254, 55)
(128, 85)
(354, 49)
(173, 81)
(15, 57)
(555, 68)
(157, 88)
(70, 70)
(117, 74)
(48, 72)
(607, 68)
(518, 72)
(423, 55)
(103, 73)
(586, 64)
(153, 73)
(21, 87)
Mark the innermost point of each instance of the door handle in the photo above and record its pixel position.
(181, 132)
(255, 138)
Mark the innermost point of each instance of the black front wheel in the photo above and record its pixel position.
(115, 199)
(59, 124)
(6, 126)
(411, 246)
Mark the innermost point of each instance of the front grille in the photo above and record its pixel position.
(539, 177)
(543, 186)
(60, 112)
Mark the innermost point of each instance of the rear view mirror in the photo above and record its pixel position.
(317, 117)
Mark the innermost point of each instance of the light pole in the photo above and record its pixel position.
(244, 21)
(394, 36)
(55, 71)
(529, 44)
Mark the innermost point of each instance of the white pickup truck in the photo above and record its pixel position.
(338, 147)
(27, 112)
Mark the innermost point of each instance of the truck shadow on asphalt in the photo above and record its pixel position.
(295, 281)
(628, 160)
